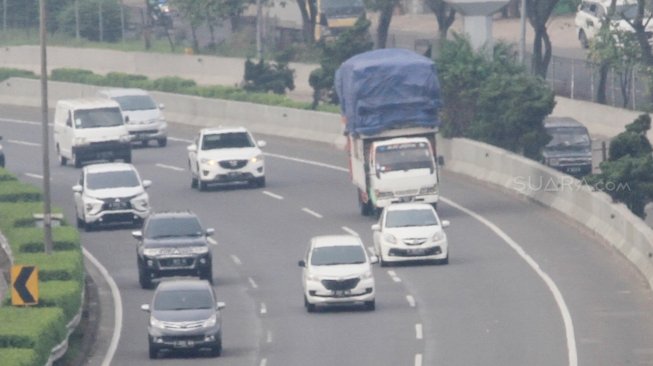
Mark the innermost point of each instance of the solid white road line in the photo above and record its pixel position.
(418, 359)
(394, 276)
(418, 331)
(264, 362)
(171, 167)
(269, 337)
(272, 195)
(411, 300)
(25, 143)
(311, 212)
(20, 122)
(350, 231)
(180, 140)
(211, 241)
(35, 176)
(117, 307)
(252, 283)
(264, 309)
(572, 352)
(236, 260)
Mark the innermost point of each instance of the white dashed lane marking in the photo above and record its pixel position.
(35, 176)
(411, 300)
(311, 212)
(418, 359)
(264, 309)
(418, 331)
(236, 260)
(350, 231)
(171, 167)
(25, 143)
(212, 241)
(252, 283)
(394, 276)
(272, 195)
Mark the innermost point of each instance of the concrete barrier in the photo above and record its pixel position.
(508, 171)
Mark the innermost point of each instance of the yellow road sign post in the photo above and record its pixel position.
(24, 285)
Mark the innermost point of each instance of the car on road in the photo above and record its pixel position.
(410, 232)
(2, 155)
(173, 244)
(226, 155)
(184, 315)
(336, 270)
(570, 148)
(110, 193)
(592, 13)
(143, 116)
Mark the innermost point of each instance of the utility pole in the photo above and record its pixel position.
(4, 15)
(47, 219)
(77, 20)
(259, 43)
(522, 36)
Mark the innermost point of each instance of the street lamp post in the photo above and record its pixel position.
(47, 219)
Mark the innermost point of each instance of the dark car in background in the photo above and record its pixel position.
(184, 315)
(570, 148)
(173, 244)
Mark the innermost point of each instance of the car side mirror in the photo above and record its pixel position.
(137, 234)
(446, 223)
(78, 188)
(145, 308)
(147, 183)
(210, 231)
(374, 259)
(220, 305)
(376, 227)
(261, 143)
(192, 148)
(301, 263)
(162, 106)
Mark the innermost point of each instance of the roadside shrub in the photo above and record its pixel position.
(6, 73)
(58, 266)
(123, 80)
(14, 191)
(172, 84)
(17, 357)
(37, 329)
(20, 214)
(5, 175)
(76, 76)
(30, 239)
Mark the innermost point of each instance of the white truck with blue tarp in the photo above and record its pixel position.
(389, 100)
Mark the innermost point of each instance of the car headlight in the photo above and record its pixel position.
(312, 277)
(439, 235)
(381, 195)
(199, 250)
(429, 190)
(210, 322)
(155, 323)
(79, 141)
(390, 238)
(141, 202)
(258, 157)
(151, 252)
(92, 205)
(208, 161)
(367, 275)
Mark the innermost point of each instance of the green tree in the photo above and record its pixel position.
(385, 8)
(89, 20)
(333, 53)
(538, 13)
(195, 12)
(444, 14)
(633, 141)
(265, 77)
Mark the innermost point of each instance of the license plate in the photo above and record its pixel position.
(416, 251)
(184, 344)
(341, 293)
(574, 169)
(118, 205)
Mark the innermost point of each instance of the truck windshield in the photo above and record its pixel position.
(98, 117)
(404, 156)
(568, 138)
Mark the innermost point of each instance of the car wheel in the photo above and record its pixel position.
(435, 205)
(144, 277)
(162, 142)
(365, 207)
(128, 158)
(370, 305)
(216, 350)
(382, 262)
(260, 182)
(445, 260)
(309, 307)
(201, 185)
(80, 223)
(62, 160)
(154, 352)
(193, 181)
(77, 162)
(88, 227)
(207, 274)
(584, 42)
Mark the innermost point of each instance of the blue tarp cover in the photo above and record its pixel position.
(388, 88)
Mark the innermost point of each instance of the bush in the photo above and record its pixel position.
(66, 295)
(37, 329)
(123, 80)
(5, 175)
(20, 214)
(76, 76)
(172, 84)
(58, 266)
(30, 239)
(6, 73)
(15, 191)
(17, 357)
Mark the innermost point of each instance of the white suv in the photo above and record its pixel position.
(225, 155)
(592, 13)
(337, 270)
(110, 193)
(143, 116)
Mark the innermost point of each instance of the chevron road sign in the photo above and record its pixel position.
(24, 285)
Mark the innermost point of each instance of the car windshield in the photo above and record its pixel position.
(183, 300)
(136, 102)
(98, 117)
(228, 140)
(166, 227)
(114, 179)
(568, 138)
(400, 157)
(406, 218)
(338, 254)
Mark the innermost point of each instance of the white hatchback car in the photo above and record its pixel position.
(143, 116)
(409, 232)
(225, 155)
(592, 13)
(337, 270)
(110, 193)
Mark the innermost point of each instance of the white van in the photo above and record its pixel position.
(90, 129)
(143, 116)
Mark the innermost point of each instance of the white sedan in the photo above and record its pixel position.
(225, 155)
(410, 232)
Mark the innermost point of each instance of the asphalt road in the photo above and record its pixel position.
(489, 306)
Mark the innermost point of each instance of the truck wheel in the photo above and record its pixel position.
(128, 157)
(162, 142)
(144, 277)
(365, 207)
(62, 160)
(207, 274)
(77, 162)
